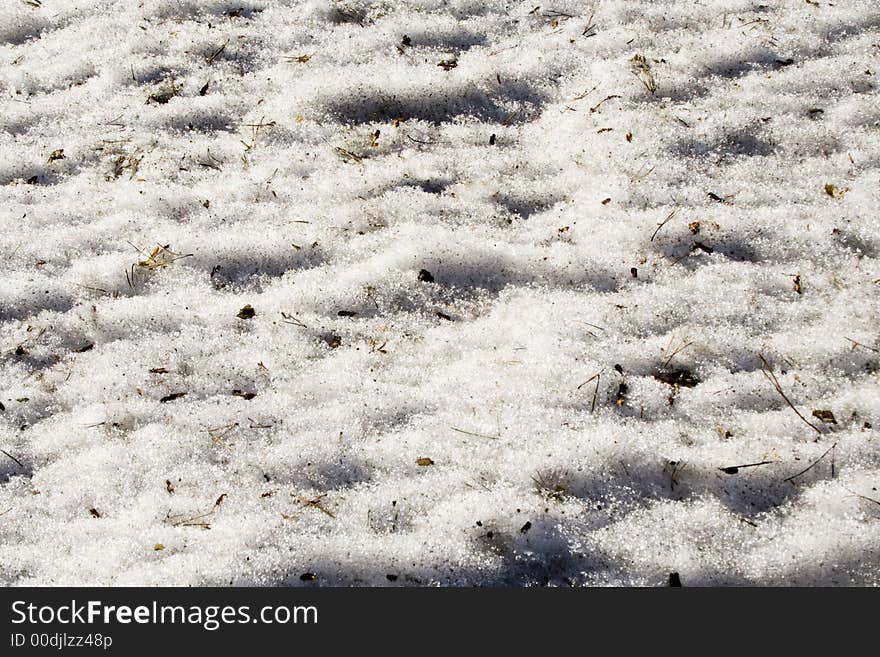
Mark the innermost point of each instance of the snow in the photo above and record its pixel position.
(304, 158)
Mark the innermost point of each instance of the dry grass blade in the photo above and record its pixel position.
(316, 504)
(161, 256)
(346, 154)
(218, 433)
(180, 520)
(684, 345)
(551, 484)
(596, 107)
(590, 29)
(216, 54)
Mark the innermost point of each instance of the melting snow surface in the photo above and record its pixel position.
(439, 292)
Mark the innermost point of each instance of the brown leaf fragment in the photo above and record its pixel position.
(835, 192)
(680, 377)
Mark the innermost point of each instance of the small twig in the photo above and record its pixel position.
(809, 467)
(768, 373)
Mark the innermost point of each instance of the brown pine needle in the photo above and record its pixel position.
(595, 392)
(179, 520)
(812, 465)
(663, 223)
(684, 345)
(864, 346)
(765, 368)
(863, 497)
(20, 464)
(472, 433)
